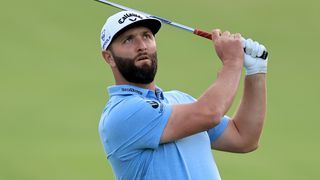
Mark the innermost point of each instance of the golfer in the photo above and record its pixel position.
(151, 134)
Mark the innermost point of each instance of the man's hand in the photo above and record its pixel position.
(252, 64)
(228, 47)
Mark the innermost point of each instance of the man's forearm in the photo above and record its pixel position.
(249, 118)
(219, 97)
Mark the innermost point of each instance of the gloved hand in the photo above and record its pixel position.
(252, 63)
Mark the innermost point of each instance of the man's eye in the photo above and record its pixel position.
(128, 40)
(147, 36)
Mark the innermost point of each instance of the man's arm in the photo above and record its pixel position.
(244, 130)
(188, 119)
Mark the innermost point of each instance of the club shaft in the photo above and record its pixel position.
(174, 24)
(119, 6)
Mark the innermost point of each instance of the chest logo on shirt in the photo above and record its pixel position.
(154, 104)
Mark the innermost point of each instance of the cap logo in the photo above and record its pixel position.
(130, 16)
(103, 35)
(106, 41)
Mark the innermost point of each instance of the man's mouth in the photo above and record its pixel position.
(142, 57)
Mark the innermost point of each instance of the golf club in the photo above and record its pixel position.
(174, 24)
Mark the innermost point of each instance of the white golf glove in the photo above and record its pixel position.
(252, 63)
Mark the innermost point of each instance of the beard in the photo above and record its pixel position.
(140, 75)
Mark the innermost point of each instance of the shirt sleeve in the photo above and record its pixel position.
(215, 132)
(136, 124)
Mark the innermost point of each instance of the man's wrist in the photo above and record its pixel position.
(236, 64)
(262, 70)
(256, 77)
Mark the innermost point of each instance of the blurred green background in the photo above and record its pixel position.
(53, 83)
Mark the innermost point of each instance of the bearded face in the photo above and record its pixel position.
(143, 73)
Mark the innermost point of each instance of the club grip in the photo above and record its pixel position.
(209, 36)
(202, 34)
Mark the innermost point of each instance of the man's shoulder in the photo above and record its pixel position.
(132, 104)
(118, 109)
(124, 102)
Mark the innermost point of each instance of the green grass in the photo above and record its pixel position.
(53, 83)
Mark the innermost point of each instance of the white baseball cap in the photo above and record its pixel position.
(121, 21)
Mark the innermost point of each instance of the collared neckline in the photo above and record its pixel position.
(134, 90)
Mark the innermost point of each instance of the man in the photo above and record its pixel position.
(151, 134)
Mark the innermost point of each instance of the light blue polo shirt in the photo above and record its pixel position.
(130, 129)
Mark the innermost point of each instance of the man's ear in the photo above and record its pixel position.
(107, 56)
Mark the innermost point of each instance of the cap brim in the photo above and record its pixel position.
(152, 24)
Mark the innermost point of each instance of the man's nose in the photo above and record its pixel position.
(141, 44)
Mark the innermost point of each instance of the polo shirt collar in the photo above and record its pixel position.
(134, 90)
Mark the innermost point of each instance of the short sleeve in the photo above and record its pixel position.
(136, 124)
(215, 132)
